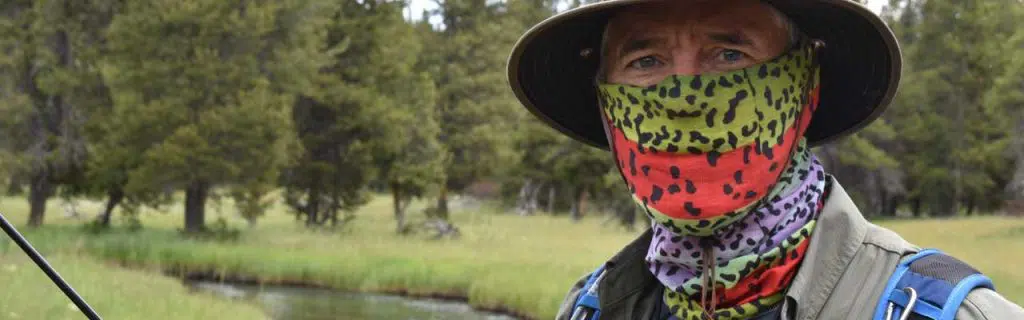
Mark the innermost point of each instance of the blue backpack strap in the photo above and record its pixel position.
(587, 306)
(932, 284)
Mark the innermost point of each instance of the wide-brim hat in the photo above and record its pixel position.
(553, 66)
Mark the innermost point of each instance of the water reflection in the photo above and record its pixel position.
(291, 303)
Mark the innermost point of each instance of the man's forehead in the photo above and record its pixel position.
(724, 21)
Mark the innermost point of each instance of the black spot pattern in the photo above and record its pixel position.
(757, 99)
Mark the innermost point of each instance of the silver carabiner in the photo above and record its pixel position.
(906, 311)
(581, 313)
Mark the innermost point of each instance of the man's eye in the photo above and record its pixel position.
(644, 63)
(729, 55)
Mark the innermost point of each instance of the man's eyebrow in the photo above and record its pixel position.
(637, 44)
(734, 38)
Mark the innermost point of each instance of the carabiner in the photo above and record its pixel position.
(910, 305)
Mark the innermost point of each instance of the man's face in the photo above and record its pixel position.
(647, 43)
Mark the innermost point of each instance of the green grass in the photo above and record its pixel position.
(502, 261)
(114, 293)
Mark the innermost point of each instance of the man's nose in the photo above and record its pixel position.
(686, 61)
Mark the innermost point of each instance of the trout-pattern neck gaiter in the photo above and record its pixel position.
(719, 163)
(748, 264)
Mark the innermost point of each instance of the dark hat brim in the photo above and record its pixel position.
(552, 74)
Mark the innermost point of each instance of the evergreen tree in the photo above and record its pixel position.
(476, 108)
(369, 114)
(50, 83)
(195, 105)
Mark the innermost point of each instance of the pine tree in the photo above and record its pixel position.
(50, 84)
(195, 105)
(369, 115)
(474, 101)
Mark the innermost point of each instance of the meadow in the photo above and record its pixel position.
(523, 265)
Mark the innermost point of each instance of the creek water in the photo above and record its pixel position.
(295, 303)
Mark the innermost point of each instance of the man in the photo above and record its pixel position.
(709, 109)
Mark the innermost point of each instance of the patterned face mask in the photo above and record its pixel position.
(698, 151)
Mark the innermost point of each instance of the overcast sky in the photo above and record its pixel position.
(419, 5)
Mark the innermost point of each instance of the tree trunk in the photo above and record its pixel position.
(959, 143)
(573, 211)
(325, 214)
(582, 207)
(871, 190)
(332, 217)
(576, 212)
(970, 206)
(883, 202)
(551, 199)
(195, 206)
(14, 186)
(916, 207)
(533, 203)
(313, 207)
(39, 192)
(627, 214)
(335, 208)
(945, 207)
(396, 199)
(522, 203)
(114, 197)
(442, 204)
(892, 202)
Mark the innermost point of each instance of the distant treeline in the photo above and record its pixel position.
(330, 101)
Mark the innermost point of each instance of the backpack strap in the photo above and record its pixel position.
(931, 284)
(587, 306)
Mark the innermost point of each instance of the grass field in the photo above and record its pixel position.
(523, 264)
(113, 292)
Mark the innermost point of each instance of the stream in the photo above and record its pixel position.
(295, 303)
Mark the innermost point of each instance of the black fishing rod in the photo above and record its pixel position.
(38, 259)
